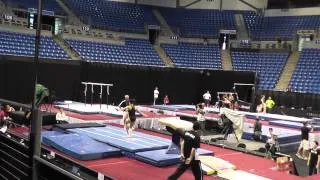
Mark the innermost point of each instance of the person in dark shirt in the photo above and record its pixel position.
(304, 147)
(189, 145)
(314, 159)
(257, 130)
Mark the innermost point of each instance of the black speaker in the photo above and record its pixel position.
(19, 117)
(48, 118)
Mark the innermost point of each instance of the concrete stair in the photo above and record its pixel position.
(241, 27)
(226, 60)
(72, 18)
(287, 71)
(163, 55)
(165, 28)
(63, 44)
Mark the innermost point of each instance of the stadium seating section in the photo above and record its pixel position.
(23, 45)
(194, 55)
(103, 14)
(267, 65)
(139, 52)
(284, 27)
(113, 15)
(306, 77)
(198, 23)
(49, 5)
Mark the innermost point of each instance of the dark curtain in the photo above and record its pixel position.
(183, 86)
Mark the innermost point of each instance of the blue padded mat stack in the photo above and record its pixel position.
(77, 125)
(79, 146)
(287, 139)
(160, 158)
(116, 137)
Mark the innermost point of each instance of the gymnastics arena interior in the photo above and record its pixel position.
(80, 58)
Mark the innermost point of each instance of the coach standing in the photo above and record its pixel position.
(155, 95)
(189, 145)
(207, 98)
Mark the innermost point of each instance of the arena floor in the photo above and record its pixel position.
(127, 168)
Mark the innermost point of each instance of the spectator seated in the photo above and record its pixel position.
(268, 66)
(135, 52)
(306, 77)
(17, 44)
(194, 55)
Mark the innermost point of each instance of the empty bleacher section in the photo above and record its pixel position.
(194, 55)
(198, 23)
(135, 51)
(306, 77)
(113, 15)
(48, 5)
(18, 44)
(267, 65)
(284, 27)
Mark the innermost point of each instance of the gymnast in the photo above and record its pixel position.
(131, 117)
(124, 103)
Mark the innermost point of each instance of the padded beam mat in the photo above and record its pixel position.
(289, 124)
(116, 137)
(177, 124)
(80, 146)
(239, 175)
(216, 164)
(160, 158)
(78, 125)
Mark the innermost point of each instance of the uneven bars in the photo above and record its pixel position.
(98, 84)
(243, 84)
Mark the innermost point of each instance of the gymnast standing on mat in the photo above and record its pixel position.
(131, 118)
(189, 144)
(124, 103)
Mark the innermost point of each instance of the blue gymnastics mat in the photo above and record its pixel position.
(116, 137)
(294, 125)
(49, 134)
(77, 125)
(159, 157)
(284, 135)
(175, 107)
(79, 146)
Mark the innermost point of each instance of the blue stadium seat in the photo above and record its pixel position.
(267, 65)
(194, 55)
(306, 77)
(135, 52)
(284, 27)
(198, 22)
(49, 5)
(17, 44)
(113, 15)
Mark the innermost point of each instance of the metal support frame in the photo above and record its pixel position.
(36, 122)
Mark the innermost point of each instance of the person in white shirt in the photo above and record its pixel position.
(61, 116)
(155, 95)
(271, 143)
(201, 117)
(207, 98)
